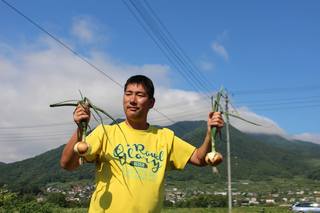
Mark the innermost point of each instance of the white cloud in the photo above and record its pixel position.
(43, 73)
(206, 65)
(87, 30)
(33, 78)
(218, 47)
(315, 138)
(220, 50)
(36, 75)
(179, 105)
(268, 126)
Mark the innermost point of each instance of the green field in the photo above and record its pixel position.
(225, 210)
(204, 210)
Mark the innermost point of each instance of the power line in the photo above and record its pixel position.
(172, 44)
(300, 98)
(179, 48)
(5, 137)
(246, 102)
(275, 90)
(69, 49)
(182, 62)
(271, 104)
(30, 133)
(153, 29)
(153, 37)
(280, 102)
(23, 140)
(286, 107)
(36, 126)
(195, 115)
(60, 42)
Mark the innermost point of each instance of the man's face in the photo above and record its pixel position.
(136, 102)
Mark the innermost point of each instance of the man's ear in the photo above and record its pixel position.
(152, 102)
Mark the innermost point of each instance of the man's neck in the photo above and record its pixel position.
(139, 125)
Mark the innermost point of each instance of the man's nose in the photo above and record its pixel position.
(133, 99)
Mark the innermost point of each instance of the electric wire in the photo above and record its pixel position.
(184, 110)
(36, 126)
(151, 27)
(70, 49)
(189, 115)
(61, 43)
(275, 90)
(185, 56)
(152, 24)
(4, 137)
(154, 39)
(238, 101)
(174, 51)
(286, 107)
(169, 42)
(276, 100)
(235, 93)
(162, 49)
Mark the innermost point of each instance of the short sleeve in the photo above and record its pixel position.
(95, 141)
(180, 154)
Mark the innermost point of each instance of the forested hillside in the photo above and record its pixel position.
(254, 157)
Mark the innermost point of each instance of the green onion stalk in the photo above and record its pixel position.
(214, 158)
(82, 147)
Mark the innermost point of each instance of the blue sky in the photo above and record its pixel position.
(265, 53)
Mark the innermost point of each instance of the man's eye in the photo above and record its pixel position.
(141, 95)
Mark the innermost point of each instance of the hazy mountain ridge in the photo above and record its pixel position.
(252, 157)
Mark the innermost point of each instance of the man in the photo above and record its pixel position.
(132, 157)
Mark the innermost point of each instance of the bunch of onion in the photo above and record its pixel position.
(82, 147)
(214, 158)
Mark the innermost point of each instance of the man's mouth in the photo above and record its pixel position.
(133, 108)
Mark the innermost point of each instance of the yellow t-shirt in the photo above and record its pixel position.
(130, 167)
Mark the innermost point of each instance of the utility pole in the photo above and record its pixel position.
(228, 157)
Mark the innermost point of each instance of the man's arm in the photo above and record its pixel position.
(198, 156)
(69, 159)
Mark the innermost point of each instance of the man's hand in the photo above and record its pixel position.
(215, 120)
(81, 113)
(198, 157)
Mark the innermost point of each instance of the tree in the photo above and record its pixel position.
(58, 199)
(7, 199)
(204, 201)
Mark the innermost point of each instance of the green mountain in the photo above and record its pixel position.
(30, 174)
(254, 157)
(258, 157)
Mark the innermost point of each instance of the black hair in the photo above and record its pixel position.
(145, 81)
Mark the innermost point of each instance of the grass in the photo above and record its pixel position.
(225, 210)
(201, 210)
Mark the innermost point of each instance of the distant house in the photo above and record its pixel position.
(253, 201)
(220, 193)
(270, 201)
(300, 193)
